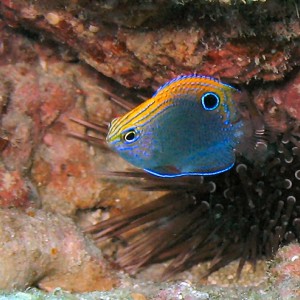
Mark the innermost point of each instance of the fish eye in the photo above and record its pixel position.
(130, 136)
(210, 101)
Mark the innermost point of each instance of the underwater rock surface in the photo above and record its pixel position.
(41, 162)
(47, 250)
(45, 83)
(142, 45)
(286, 271)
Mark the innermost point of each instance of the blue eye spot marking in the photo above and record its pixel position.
(210, 101)
(130, 136)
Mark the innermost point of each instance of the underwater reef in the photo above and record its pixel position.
(67, 69)
(120, 39)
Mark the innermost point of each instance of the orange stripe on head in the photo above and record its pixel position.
(193, 85)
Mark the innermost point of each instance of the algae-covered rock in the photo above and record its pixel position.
(40, 248)
(138, 44)
(144, 44)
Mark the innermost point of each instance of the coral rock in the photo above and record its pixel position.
(49, 251)
(287, 271)
(288, 96)
(14, 191)
(208, 38)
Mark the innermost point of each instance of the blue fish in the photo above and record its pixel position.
(190, 126)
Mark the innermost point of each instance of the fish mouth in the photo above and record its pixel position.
(108, 141)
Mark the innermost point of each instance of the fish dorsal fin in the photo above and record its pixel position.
(191, 77)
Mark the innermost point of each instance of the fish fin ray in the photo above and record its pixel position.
(180, 77)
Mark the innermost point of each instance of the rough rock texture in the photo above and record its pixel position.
(49, 250)
(159, 291)
(41, 157)
(14, 190)
(42, 85)
(286, 271)
(43, 166)
(145, 44)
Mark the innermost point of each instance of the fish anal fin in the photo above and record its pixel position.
(164, 171)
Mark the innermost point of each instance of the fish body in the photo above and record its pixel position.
(190, 126)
